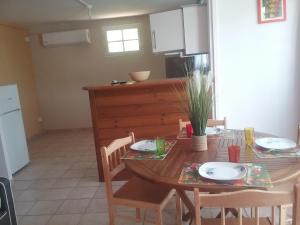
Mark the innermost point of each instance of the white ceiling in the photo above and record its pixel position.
(27, 12)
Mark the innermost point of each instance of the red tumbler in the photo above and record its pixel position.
(234, 153)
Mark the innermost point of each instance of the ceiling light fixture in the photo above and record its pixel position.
(87, 6)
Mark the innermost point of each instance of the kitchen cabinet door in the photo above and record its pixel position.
(167, 31)
(196, 32)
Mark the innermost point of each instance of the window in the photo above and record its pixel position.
(123, 40)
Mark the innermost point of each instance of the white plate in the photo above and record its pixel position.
(275, 143)
(222, 171)
(144, 146)
(212, 131)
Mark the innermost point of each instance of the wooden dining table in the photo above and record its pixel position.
(167, 172)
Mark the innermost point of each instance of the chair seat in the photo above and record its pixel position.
(140, 190)
(235, 221)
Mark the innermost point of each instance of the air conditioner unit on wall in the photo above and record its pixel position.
(66, 38)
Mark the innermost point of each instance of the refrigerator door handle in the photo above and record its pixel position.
(10, 112)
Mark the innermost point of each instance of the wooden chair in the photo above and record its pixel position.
(285, 184)
(247, 199)
(136, 193)
(215, 123)
(210, 123)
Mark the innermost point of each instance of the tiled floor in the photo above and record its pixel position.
(60, 186)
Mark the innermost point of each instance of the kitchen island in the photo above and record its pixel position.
(149, 109)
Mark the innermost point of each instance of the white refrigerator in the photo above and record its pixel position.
(13, 147)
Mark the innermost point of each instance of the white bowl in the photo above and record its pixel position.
(140, 76)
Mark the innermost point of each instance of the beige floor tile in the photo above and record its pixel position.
(45, 207)
(22, 208)
(119, 183)
(56, 173)
(94, 165)
(84, 192)
(97, 206)
(43, 184)
(29, 195)
(94, 219)
(55, 194)
(21, 184)
(89, 182)
(74, 173)
(82, 165)
(73, 206)
(89, 158)
(34, 220)
(72, 219)
(17, 193)
(28, 175)
(66, 182)
(63, 166)
(100, 193)
(19, 218)
(103, 219)
(92, 172)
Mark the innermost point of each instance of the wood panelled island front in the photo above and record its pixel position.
(149, 109)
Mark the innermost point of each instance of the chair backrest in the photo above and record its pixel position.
(298, 137)
(286, 183)
(182, 124)
(111, 160)
(215, 123)
(248, 199)
(210, 123)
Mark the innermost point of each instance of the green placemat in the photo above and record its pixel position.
(294, 153)
(137, 155)
(257, 176)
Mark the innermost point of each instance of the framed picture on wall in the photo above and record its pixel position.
(271, 11)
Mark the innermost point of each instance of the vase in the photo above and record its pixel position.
(199, 143)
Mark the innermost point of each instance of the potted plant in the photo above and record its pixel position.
(197, 103)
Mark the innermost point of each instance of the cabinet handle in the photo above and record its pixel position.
(154, 39)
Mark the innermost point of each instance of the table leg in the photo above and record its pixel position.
(187, 202)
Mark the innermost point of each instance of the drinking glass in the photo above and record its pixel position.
(160, 146)
(249, 135)
(234, 152)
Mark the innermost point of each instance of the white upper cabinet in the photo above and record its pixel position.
(196, 32)
(182, 29)
(167, 31)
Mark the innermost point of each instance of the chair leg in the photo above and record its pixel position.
(138, 214)
(111, 213)
(178, 210)
(158, 220)
(283, 210)
(252, 212)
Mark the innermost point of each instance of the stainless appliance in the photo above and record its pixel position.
(176, 65)
(7, 209)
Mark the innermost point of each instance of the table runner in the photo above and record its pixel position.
(137, 155)
(257, 176)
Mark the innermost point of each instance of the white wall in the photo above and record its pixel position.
(257, 76)
(61, 72)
